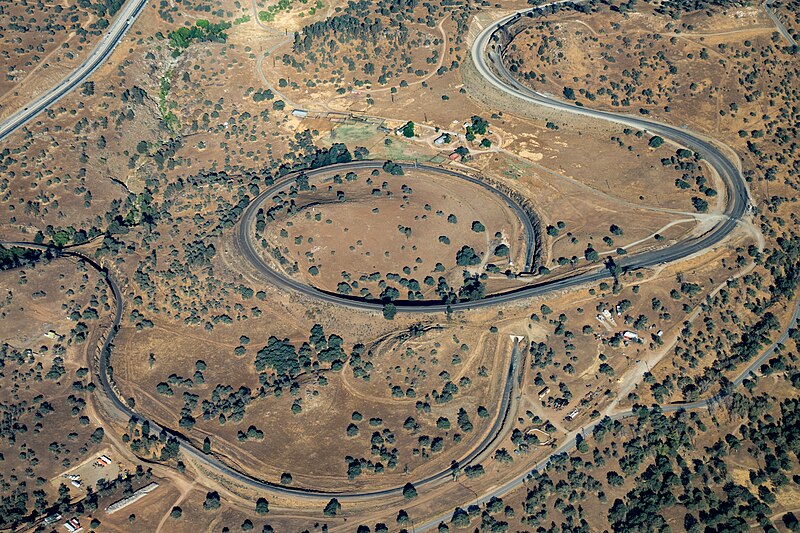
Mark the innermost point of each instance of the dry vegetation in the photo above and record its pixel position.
(416, 236)
(155, 159)
(41, 42)
(50, 313)
(402, 405)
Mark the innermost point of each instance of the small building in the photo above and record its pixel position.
(51, 519)
(73, 525)
(631, 336)
(571, 416)
(454, 156)
(444, 138)
(300, 113)
(544, 392)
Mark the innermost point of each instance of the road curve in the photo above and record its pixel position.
(486, 54)
(116, 31)
(483, 50)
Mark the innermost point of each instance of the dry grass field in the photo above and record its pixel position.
(149, 168)
(50, 314)
(363, 233)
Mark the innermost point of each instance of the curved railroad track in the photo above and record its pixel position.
(243, 237)
(487, 56)
(104, 373)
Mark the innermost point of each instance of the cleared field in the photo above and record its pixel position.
(89, 472)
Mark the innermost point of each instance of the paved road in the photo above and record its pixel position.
(776, 19)
(116, 31)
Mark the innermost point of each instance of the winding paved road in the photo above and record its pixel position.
(116, 31)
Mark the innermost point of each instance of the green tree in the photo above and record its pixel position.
(460, 518)
(332, 508)
(212, 501)
(393, 168)
(501, 250)
(466, 256)
(700, 204)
